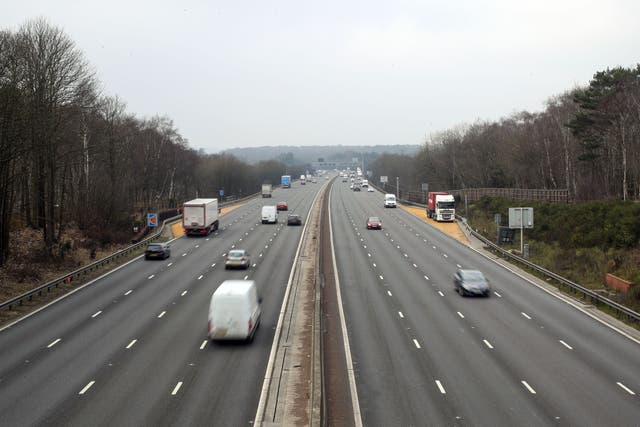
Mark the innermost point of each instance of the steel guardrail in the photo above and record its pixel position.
(69, 277)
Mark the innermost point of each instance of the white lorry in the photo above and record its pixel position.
(390, 201)
(200, 217)
(266, 190)
(234, 311)
(269, 215)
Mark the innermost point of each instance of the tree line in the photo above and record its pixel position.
(586, 141)
(72, 156)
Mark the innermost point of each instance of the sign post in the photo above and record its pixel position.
(521, 218)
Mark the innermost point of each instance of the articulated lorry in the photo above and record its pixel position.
(266, 190)
(285, 181)
(441, 206)
(200, 217)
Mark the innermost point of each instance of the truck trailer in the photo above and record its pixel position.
(200, 217)
(441, 206)
(266, 190)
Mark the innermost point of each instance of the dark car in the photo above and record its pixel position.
(157, 250)
(471, 282)
(282, 206)
(356, 188)
(373, 222)
(237, 258)
(293, 219)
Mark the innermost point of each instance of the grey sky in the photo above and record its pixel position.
(253, 73)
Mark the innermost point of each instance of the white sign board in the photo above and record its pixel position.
(520, 217)
(425, 187)
(383, 179)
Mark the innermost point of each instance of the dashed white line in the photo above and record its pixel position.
(131, 344)
(439, 384)
(441, 294)
(161, 314)
(224, 254)
(497, 294)
(184, 254)
(170, 264)
(487, 343)
(245, 277)
(390, 294)
(461, 315)
(233, 246)
(176, 388)
(415, 266)
(213, 265)
(398, 247)
(526, 315)
(87, 387)
(566, 345)
(54, 343)
(400, 314)
(203, 345)
(128, 292)
(625, 388)
(96, 314)
(266, 246)
(364, 246)
(417, 344)
(197, 246)
(445, 255)
(260, 256)
(253, 265)
(426, 277)
(183, 293)
(434, 248)
(374, 264)
(381, 278)
(200, 277)
(531, 390)
(458, 265)
(151, 277)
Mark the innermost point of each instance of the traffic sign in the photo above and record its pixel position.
(152, 220)
(221, 192)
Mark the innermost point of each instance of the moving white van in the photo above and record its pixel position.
(389, 200)
(269, 214)
(234, 312)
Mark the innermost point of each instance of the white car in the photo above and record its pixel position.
(370, 190)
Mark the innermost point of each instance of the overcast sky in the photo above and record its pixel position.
(253, 73)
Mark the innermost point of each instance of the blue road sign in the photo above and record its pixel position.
(152, 220)
(221, 192)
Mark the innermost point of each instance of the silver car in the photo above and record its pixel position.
(237, 258)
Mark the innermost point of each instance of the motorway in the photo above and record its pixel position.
(131, 348)
(423, 355)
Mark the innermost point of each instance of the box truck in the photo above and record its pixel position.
(266, 190)
(200, 217)
(303, 179)
(285, 181)
(269, 215)
(441, 206)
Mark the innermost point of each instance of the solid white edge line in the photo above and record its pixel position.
(54, 343)
(87, 387)
(531, 390)
(417, 344)
(565, 344)
(487, 343)
(625, 388)
(203, 345)
(176, 388)
(131, 344)
(439, 384)
(276, 336)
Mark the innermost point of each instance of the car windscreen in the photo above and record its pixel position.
(374, 219)
(473, 276)
(236, 254)
(154, 247)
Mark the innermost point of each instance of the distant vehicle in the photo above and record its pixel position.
(370, 190)
(389, 200)
(266, 190)
(303, 179)
(294, 219)
(158, 250)
(374, 223)
(200, 217)
(269, 214)
(441, 206)
(356, 188)
(237, 258)
(282, 206)
(314, 181)
(345, 179)
(365, 183)
(285, 181)
(234, 311)
(471, 282)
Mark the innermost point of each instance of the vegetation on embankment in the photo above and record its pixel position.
(582, 242)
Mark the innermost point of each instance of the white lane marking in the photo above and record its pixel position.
(176, 388)
(439, 384)
(434, 248)
(625, 388)
(184, 254)
(415, 266)
(497, 294)
(246, 234)
(461, 315)
(161, 314)
(566, 345)
(381, 278)
(364, 246)
(374, 264)
(398, 247)
(245, 277)
(128, 292)
(424, 240)
(390, 294)
(458, 265)
(96, 314)
(260, 256)
(233, 246)
(417, 344)
(531, 390)
(151, 277)
(441, 294)
(426, 278)
(400, 314)
(445, 255)
(131, 344)
(266, 246)
(87, 387)
(170, 264)
(207, 239)
(200, 277)
(405, 255)
(526, 315)
(224, 254)
(197, 246)
(240, 240)
(183, 293)
(368, 255)
(203, 345)
(488, 344)
(253, 265)
(271, 240)
(54, 343)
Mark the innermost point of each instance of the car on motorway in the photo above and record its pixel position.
(282, 206)
(374, 223)
(157, 250)
(314, 181)
(370, 190)
(471, 282)
(237, 258)
(294, 219)
(356, 188)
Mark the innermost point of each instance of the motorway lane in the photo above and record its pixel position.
(135, 379)
(480, 350)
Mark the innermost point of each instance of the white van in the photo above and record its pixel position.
(389, 200)
(234, 312)
(269, 214)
